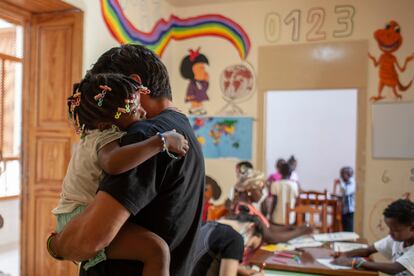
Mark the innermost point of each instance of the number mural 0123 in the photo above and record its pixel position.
(315, 18)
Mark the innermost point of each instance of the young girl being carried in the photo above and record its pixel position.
(101, 106)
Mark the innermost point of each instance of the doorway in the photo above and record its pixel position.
(317, 127)
(317, 66)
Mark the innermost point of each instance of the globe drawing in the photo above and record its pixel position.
(237, 83)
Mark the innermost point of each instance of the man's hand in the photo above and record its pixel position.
(92, 230)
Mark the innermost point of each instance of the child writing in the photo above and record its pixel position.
(347, 189)
(398, 246)
(100, 107)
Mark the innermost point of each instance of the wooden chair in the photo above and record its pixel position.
(318, 198)
(305, 214)
(332, 203)
(336, 203)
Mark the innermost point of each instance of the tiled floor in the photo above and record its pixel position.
(9, 260)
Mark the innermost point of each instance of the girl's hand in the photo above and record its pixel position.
(176, 143)
(343, 261)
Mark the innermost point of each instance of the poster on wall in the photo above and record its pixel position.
(389, 40)
(224, 137)
(237, 83)
(193, 69)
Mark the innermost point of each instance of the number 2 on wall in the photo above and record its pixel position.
(316, 16)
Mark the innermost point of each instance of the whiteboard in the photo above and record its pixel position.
(393, 130)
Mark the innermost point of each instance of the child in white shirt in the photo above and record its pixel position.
(284, 191)
(398, 246)
(347, 187)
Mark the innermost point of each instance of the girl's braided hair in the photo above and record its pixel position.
(97, 99)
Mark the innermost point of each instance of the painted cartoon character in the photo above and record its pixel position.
(193, 68)
(389, 40)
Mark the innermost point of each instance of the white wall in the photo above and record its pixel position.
(10, 211)
(318, 127)
(251, 15)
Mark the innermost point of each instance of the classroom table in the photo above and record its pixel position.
(308, 264)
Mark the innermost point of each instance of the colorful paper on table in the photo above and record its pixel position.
(338, 236)
(347, 246)
(304, 241)
(327, 263)
(277, 247)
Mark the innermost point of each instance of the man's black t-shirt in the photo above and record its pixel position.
(163, 195)
(215, 242)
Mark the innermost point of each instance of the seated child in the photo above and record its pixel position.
(100, 107)
(286, 190)
(398, 246)
(211, 191)
(347, 187)
(241, 168)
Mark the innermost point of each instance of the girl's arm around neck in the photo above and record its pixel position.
(115, 159)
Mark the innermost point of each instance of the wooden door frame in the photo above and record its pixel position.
(298, 67)
(20, 16)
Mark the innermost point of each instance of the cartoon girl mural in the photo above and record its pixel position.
(193, 68)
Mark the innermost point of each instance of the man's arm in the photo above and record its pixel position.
(92, 230)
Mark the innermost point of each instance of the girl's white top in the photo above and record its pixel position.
(84, 173)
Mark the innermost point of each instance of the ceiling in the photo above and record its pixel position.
(186, 3)
(40, 6)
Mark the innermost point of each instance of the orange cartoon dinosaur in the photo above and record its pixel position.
(389, 40)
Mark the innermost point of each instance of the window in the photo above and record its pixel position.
(11, 52)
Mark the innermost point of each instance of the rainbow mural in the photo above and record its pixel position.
(175, 28)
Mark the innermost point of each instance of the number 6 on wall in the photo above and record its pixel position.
(346, 19)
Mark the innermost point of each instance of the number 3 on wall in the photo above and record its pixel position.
(345, 18)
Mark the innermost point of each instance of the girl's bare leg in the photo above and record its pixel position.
(134, 242)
